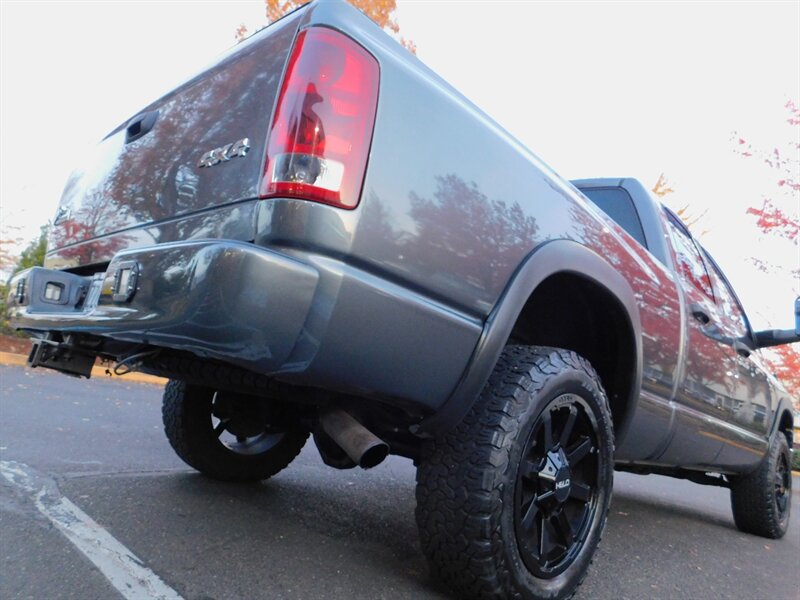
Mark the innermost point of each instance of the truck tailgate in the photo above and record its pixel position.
(148, 169)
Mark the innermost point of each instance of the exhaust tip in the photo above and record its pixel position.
(374, 455)
(363, 447)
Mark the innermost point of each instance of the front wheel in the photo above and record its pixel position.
(512, 503)
(228, 436)
(761, 500)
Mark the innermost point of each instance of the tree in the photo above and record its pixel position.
(8, 258)
(380, 11)
(663, 188)
(33, 255)
(785, 364)
(777, 215)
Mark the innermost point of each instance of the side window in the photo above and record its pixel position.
(689, 262)
(618, 205)
(732, 313)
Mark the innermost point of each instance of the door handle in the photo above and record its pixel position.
(140, 125)
(699, 313)
(741, 348)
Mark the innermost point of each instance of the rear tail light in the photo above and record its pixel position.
(320, 136)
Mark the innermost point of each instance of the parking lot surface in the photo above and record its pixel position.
(311, 532)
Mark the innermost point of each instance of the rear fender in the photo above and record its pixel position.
(550, 258)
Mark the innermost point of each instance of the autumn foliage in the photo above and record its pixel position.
(771, 219)
(662, 188)
(777, 214)
(785, 364)
(380, 11)
(8, 257)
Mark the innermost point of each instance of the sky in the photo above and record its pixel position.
(593, 88)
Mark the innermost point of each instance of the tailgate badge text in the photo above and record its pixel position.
(225, 153)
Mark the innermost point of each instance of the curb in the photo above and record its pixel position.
(20, 360)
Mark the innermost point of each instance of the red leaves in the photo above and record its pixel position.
(785, 364)
(771, 219)
(794, 113)
(778, 216)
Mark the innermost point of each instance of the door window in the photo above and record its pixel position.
(730, 309)
(618, 205)
(690, 264)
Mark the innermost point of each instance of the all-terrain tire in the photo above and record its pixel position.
(466, 483)
(761, 500)
(186, 412)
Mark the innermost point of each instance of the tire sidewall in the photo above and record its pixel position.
(569, 381)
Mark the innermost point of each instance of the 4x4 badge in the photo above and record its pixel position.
(225, 153)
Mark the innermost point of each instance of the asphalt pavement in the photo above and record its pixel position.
(310, 532)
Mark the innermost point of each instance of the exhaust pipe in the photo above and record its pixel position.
(362, 446)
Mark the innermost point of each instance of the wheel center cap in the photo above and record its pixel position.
(557, 470)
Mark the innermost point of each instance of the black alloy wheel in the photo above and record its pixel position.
(239, 426)
(783, 487)
(556, 491)
(229, 436)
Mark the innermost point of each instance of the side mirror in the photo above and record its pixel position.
(778, 337)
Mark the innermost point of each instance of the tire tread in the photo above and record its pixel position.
(458, 487)
(752, 502)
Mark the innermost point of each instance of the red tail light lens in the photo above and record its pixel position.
(320, 136)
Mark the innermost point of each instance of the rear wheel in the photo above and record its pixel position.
(512, 503)
(228, 436)
(761, 501)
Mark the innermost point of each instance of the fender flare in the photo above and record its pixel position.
(547, 259)
(784, 405)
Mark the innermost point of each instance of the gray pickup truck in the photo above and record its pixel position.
(318, 235)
